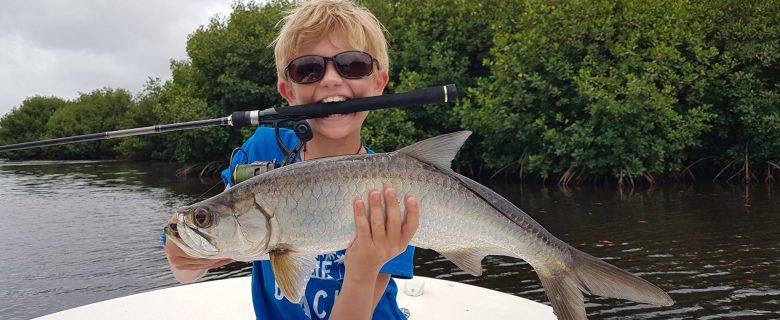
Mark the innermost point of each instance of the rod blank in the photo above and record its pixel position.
(118, 134)
(440, 94)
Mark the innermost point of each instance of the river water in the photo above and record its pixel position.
(73, 233)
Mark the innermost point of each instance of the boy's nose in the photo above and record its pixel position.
(331, 76)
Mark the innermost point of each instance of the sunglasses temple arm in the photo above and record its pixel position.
(439, 94)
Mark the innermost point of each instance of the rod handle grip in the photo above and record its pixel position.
(439, 94)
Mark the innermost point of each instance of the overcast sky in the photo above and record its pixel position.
(61, 48)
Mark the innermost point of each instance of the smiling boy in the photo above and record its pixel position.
(330, 51)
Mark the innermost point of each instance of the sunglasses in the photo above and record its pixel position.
(348, 64)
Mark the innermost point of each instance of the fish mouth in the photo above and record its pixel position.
(191, 240)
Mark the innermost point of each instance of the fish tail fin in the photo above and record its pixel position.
(590, 275)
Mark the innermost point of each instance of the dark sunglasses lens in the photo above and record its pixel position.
(306, 69)
(353, 65)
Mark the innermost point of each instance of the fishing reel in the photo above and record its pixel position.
(243, 172)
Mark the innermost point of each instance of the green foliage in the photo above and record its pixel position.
(623, 88)
(432, 42)
(386, 130)
(230, 68)
(746, 95)
(28, 123)
(142, 114)
(40, 118)
(232, 64)
(601, 88)
(197, 145)
(97, 111)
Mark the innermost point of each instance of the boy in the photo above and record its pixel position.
(329, 51)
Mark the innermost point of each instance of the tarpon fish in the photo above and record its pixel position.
(292, 214)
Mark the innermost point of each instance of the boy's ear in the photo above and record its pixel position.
(285, 89)
(380, 83)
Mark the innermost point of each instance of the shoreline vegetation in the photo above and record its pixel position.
(561, 92)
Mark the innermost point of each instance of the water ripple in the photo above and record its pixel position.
(80, 232)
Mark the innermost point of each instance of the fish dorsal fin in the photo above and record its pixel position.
(438, 151)
(292, 271)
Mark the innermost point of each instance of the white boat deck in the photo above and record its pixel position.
(424, 298)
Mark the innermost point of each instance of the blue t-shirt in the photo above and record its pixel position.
(326, 280)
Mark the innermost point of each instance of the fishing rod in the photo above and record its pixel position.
(439, 94)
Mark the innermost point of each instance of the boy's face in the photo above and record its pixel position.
(333, 87)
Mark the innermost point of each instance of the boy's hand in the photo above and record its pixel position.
(382, 234)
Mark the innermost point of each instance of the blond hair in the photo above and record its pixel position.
(312, 21)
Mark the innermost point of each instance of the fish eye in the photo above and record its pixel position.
(202, 218)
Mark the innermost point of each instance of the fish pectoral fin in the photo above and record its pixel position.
(469, 260)
(292, 270)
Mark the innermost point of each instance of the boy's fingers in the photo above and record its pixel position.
(362, 229)
(218, 263)
(182, 261)
(412, 219)
(376, 215)
(393, 212)
(222, 262)
(203, 265)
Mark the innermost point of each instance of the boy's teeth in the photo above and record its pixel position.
(333, 99)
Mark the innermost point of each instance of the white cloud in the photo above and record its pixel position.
(61, 48)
